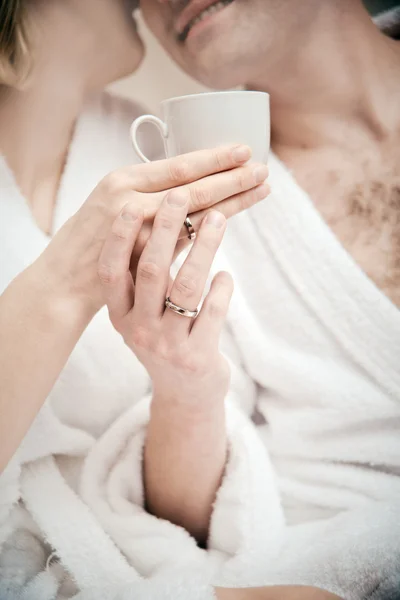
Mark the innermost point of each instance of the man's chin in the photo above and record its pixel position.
(220, 73)
(213, 55)
(217, 80)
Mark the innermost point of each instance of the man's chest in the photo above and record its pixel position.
(359, 198)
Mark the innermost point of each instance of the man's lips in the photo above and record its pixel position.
(193, 10)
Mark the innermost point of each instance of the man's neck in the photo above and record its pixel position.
(340, 86)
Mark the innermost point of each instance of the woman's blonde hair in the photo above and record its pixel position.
(14, 55)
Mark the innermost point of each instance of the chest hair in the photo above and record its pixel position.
(359, 198)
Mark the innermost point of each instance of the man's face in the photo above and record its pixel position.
(226, 43)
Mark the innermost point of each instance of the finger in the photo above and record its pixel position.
(229, 207)
(188, 287)
(186, 168)
(207, 328)
(113, 265)
(154, 265)
(209, 191)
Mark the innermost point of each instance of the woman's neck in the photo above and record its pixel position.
(37, 123)
(35, 132)
(36, 127)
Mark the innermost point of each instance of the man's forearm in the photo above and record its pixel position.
(185, 456)
(38, 331)
(278, 592)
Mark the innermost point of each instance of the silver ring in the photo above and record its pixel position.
(192, 314)
(189, 226)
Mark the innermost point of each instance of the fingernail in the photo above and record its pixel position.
(263, 191)
(241, 154)
(129, 215)
(216, 219)
(260, 173)
(177, 198)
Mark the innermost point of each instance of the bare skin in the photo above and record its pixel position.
(367, 220)
(37, 122)
(335, 97)
(46, 308)
(335, 100)
(349, 163)
(279, 592)
(180, 358)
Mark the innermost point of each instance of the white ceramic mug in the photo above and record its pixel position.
(212, 119)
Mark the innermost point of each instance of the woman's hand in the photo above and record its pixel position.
(213, 177)
(186, 442)
(180, 354)
(46, 308)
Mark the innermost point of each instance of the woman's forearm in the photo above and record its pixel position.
(185, 456)
(38, 330)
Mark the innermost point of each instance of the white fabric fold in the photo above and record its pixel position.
(348, 555)
(300, 492)
(47, 436)
(68, 525)
(247, 511)
(173, 586)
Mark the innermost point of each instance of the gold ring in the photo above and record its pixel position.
(184, 312)
(189, 226)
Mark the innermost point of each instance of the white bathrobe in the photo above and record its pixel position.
(311, 495)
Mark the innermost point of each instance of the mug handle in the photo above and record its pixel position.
(162, 127)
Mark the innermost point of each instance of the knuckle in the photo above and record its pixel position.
(179, 170)
(119, 234)
(107, 274)
(148, 271)
(186, 285)
(242, 201)
(246, 200)
(164, 223)
(140, 176)
(216, 308)
(113, 183)
(219, 161)
(241, 182)
(160, 349)
(200, 197)
(140, 337)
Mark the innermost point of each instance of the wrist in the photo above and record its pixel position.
(204, 392)
(185, 410)
(68, 268)
(53, 299)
